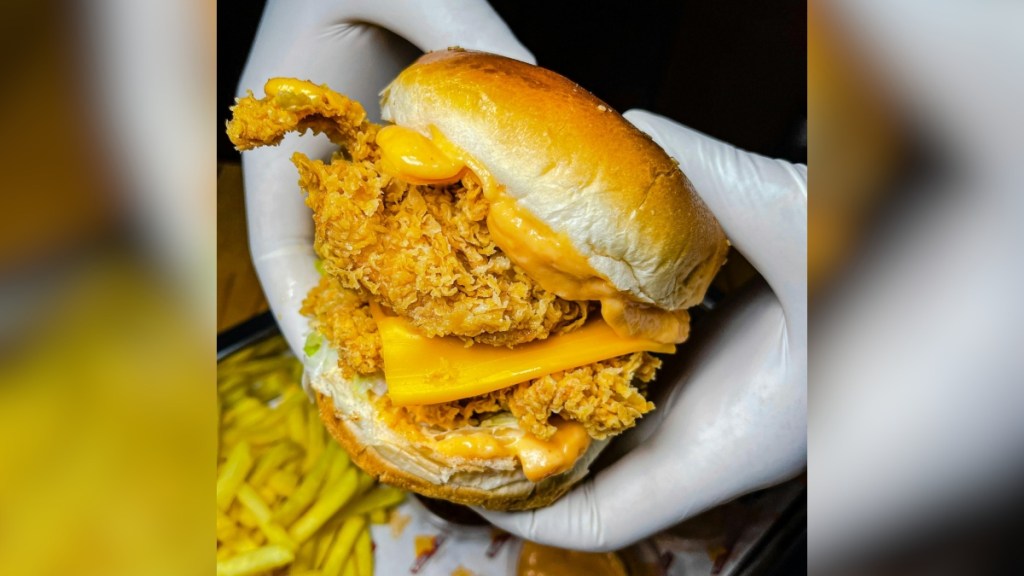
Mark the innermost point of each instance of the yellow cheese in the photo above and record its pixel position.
(415, 158)
(539, 458)
(422, 370)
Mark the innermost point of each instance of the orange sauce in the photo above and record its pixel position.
(538, 560)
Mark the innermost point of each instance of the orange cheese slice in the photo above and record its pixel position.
(423, 370)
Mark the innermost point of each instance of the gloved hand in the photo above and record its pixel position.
(735, 419)
(350, 45)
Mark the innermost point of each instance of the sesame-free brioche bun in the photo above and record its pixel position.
(353, 419)
(573, 163)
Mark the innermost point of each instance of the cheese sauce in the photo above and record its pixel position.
(539, 458)
(547, 256)
(539, 560)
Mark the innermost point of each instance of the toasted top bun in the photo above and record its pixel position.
(347, 409)
(575, 164)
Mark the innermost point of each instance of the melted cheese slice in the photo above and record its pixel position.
(423, 370)
(539, 458)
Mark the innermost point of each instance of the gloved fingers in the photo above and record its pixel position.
(574, 522)
(296, 40)
(735, 422)
(471, 24)
(357, 46)
(304, 40)
(287, 274)
(761, 203)
(281, 231)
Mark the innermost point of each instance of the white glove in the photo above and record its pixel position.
(334, 43)
(735, 419)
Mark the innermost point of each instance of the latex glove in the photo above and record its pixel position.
(733, 418)
(347, 45)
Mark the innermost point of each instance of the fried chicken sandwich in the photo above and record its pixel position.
(498, 265)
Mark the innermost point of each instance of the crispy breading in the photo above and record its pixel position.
(601, 396)
(296, 107)
(426, 253)
(343, 317)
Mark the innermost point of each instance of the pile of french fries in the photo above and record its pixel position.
(289, 499)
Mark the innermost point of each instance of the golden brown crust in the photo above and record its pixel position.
(373, 462)
(641, 225)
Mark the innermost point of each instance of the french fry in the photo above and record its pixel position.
(235, 358)
(232, 474)
(246, 407)
(232, 397)
(324, 542)
(256, 422)
(266, 436)
(305, 557)
(245, 544)
(339, 463)
(246, 518)
(378, 516)
(267, 494)
(364, 554)
(363, 485)
(251, 500)
(255, 561)
(365, 482)
(271, 460)
(350, 566)
(277, 535)
(226, 527)
(304, 495)
(379, 498)
(287, 494)
(259, 366)
(228, 384)
(315, 442)
(297, 427)
(330, 501)
(283, 482)
(259, 509)
(343, 545)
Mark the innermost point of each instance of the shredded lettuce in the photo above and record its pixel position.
(313, 342)
(499, 420)
(319, 263)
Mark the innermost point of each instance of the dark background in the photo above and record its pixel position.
(735, 70)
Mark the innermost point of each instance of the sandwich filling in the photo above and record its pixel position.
(409, 254)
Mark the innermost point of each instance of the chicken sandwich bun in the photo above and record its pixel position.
(500, 263)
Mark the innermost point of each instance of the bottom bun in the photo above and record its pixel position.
(497, 484)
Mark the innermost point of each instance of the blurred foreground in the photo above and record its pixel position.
(108, 420)
(916, 417)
